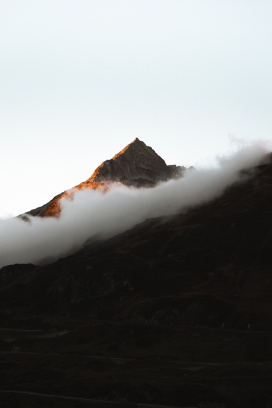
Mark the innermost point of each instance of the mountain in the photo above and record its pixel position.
(174, 312)
(137, 165)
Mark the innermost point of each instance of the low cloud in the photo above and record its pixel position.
(92, 212)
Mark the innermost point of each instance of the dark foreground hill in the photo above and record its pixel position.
(175, 312)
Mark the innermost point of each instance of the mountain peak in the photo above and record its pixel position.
(135, 145)
(137, 165)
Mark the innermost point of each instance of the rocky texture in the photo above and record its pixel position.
(177, 313)
(137, 165)
(11, 273)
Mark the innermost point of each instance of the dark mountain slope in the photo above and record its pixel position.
(183, 305)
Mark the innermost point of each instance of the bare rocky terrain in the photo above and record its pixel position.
(174, 312)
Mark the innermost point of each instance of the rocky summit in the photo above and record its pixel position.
(137, 165)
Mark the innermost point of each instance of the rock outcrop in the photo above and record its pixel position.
(137, 165)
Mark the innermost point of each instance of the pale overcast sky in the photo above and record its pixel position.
(81, 79)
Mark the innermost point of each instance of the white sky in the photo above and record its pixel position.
(81, 79)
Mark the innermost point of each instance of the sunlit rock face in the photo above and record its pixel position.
(137, 165)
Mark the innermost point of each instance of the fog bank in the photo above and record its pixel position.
(93, 212)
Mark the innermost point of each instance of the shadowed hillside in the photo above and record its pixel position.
(174, 312)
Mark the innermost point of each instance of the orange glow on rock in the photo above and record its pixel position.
(54, 209)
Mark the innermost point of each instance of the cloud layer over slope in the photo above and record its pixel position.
(93, 212)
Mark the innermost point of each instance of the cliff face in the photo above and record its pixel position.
(137, 165)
